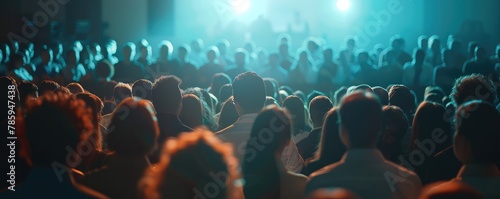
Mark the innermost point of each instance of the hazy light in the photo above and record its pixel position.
(343, 5)
(240, 6)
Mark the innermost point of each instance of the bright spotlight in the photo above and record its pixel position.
(343, 5)
(240, 6)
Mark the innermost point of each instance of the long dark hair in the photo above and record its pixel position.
(330, 149)
(429, 119)
(295, 107)
(262, 165)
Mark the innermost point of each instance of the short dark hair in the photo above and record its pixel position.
(121, 92)
(478, 122)
(382, 94)
(75, 88)
(402, 97)
(473, 87)
(249, 91)
(142, 88)
(48, 137)
(166, 94)
(104, 69)
(318, 108)
(137, 132)
(360, 114)
(218, 80)
(271, 87)
(27, 89)
(47, 86)
(225, 92)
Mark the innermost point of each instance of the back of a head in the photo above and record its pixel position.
(109, 88)
(271, 132)
(394, 127)
(431, 123)
(142, 89)
(318, 108)
(477, 122)
(360, 118)
(27, 91)
(75, 88)
(295, 107)
(104, 69)
(382, 94)
(401, 96)
(225, 92)
(47, 138)
(166, 94)
(191, 162)
(312, 95)
(47, 86)
(450, 190)
(228, 114)
(218, 80)
(249, 100)
(473, 87)
(135, 129)
(191, 112)
(338, 95)
(331, 147)
(121, 92)
(271, 87)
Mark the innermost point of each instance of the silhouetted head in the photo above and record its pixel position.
(480, 54)
(382, 94)
(434, 43)
(104, 70)
(183, 52)
(144, 49)
(191, 113)
(271, 87)
(197, 45)
(47, 86)
(46, 140)
(295, 107)
(142, 89)
(431, 124)
(419, 55)
(360, 108)
(476, 135)
(189, 163)
(473, 87)
(318, 108)
(471, 48)
(166, 95)
(95, 104)
(46, 55)
(422, 42)
(223, 46)
(363, 57)
(448, 58)
(218, 80)
(75, 88)
(240, 57)
(166, 49)
(248, 100)
(129, 51)
(394, 128)
(249, 46)
(27, 91)
(456, 46)
(283, 49)
(274, 59)
(328, 54)
(73, 58)
(228, 114)
(212, 53)
(135, 129)
(401, 96)
(121, 92)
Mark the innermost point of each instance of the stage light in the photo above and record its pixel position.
(240, 6)
(343, 5)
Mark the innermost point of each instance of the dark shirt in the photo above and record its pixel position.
(207, 71)
(170, 126)
(234, 71)
(119, 179)
(309, 145)
(485, 67)
(445, 76)
(128, 71)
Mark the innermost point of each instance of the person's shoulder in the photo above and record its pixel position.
(325, 170)
(224, 131)
(402, 171)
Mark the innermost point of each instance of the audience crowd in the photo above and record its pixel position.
(251, 123)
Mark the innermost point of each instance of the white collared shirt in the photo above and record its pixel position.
(366, 173)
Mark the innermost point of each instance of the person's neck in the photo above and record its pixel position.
(479, 170)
